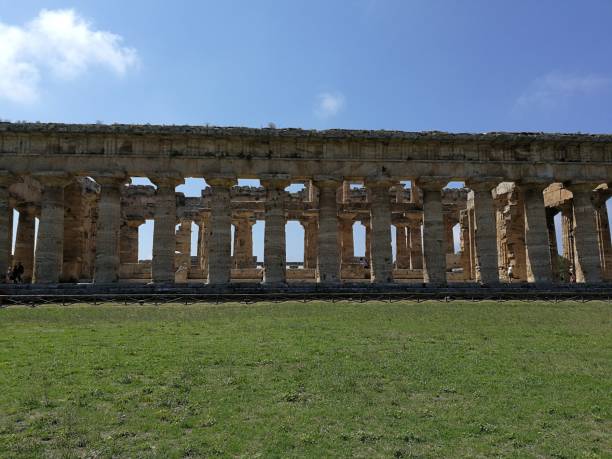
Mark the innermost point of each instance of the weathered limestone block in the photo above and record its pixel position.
(486, 231)
(50, 243)
(588, 268)
(219, 231)
(274, 237)
(164, 230)
(328, 269)
(24, 240)
(434, 247)
(381, 264)
(108, 227)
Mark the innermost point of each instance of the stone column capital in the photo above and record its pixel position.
(168, 180)
(54, 179)
(111, 179)
(483, 183)
(275, 181)
(220, 181)
(533, 185)
(28, 208)
(432, 183)
(132, 223)
(327, 181)
(379, 182)
(582, 186)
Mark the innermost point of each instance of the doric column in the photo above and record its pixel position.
(203, 242)
(486, 231)
(368, 240)
(537, 245)
(50, 243)
(219, 231)
(465, 244)
(24, 240)
(416, 243)
(381, 264)
(310, 241)
(588, 268)
(567, 228)
(402, 250)
(346, 237)
(5, 224)
(182, 258)
(434, 249)
(128, 245)
(243, 242)
(108, 226)
(164, 229)
(275, 270)
(328, 266)
(603, 235)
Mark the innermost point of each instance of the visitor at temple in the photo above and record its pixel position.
(510, 273)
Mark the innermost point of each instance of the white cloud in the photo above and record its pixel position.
(550, 91)
(329, 104)
(56, 41)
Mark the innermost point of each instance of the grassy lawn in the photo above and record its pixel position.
(316, 380)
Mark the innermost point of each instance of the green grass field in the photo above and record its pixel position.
(307, 380)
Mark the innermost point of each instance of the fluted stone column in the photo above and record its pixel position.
(128, 244)
(368, 239)
(275, 270)
(220, 231)
(537, 245)
(465, 244)
(5, 225)
(402, 250)
(346, 237)
(108, 227)
(203, 243)
(164, 229)
(381, 264)
(486, 231)
(243, 243)
(50, 243)
(588, 268)
(24, 240)
(603, 236)
(567, 228)
(434, 249)
(416, 244)
(310, 242)
(182, 258)
(328, 269)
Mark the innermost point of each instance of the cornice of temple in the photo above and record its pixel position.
(329, 134)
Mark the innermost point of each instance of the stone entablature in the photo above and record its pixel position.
(248, 153)
(74, 178)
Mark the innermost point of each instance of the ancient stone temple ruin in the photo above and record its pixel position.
(78, 213)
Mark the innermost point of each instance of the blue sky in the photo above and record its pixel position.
(413, 65)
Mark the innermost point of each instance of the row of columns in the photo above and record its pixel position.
(322, 234)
